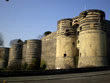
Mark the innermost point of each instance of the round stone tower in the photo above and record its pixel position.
(4, 54)
(33, 52)
(15, 56)
(92, 39)
(65, 45)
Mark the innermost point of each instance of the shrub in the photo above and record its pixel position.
(34, 65)
(24, 66)
(43, 64)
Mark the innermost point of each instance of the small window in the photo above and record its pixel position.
(78, 41)
(80, 28)
(67, 30)
(67, 34)
(76, 26)
(65, 55)
(70, 23)
(73, 44)
(80, 54)
(78, 33)
(75, 21)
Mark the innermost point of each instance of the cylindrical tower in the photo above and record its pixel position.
(15, 56)
(65, 45)
(4, 54)
(33, 52)
(92, 39)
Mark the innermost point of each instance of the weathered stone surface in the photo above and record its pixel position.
(4, 55)
(15, 56)
(24, 53)
(33, 52)
(66, 45)
(92, 39)
(82, 41)
(49, 50)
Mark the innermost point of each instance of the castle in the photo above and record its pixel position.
(82, 41)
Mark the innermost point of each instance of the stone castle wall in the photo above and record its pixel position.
(4, 55)
(82, 41)
(89, 32)
(48, 54)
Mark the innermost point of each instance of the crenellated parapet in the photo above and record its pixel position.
(92, 19)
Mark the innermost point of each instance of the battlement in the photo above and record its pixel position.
(92, 19)
(92, 12)
(65, 19)
(64, 23)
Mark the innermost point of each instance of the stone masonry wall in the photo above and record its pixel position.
(49, 50)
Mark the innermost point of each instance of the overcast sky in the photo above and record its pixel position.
(26, 19)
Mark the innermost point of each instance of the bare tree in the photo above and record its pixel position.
(40, 36)
(1, 40)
